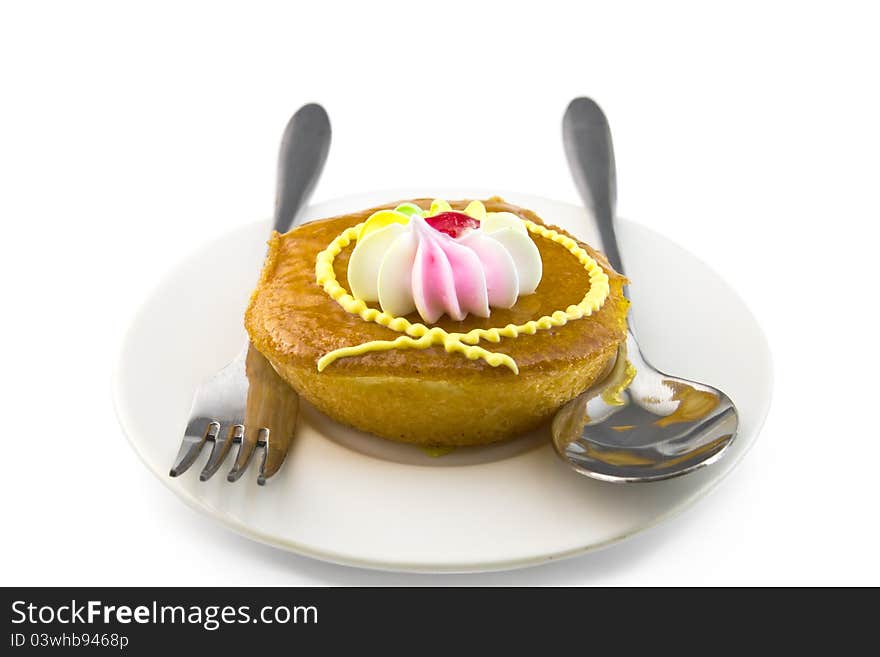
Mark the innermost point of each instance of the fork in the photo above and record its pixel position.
(246, 402)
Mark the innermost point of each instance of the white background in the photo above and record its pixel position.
(128, 137)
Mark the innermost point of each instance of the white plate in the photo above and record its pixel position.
(351, 498)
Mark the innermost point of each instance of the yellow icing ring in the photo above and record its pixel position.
(419, 336)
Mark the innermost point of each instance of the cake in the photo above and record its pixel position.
(435, 323)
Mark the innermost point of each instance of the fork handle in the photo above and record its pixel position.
(304, 148)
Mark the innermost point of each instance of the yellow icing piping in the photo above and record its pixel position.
(419, 336)
(612, 394)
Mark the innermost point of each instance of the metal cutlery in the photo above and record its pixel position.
(639, 424)
(247, 403)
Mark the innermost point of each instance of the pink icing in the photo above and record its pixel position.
(446, 277)
(499, 269)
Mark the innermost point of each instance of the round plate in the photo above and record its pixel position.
(351, 498)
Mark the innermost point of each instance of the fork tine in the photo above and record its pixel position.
(273, 405)
(273, 457)
(279, 437)
(249, 440)
(220, 451)
(198, 432)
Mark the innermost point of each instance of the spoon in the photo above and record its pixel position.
(638, 424)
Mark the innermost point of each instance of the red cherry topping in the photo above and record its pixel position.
(454, 224)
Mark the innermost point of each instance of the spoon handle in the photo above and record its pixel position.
(304, 148)
(590, 153)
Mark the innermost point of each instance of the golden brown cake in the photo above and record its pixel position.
(427, 395)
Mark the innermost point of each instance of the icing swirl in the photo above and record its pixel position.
(443, 261)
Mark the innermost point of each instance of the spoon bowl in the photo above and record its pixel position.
(639, 424)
